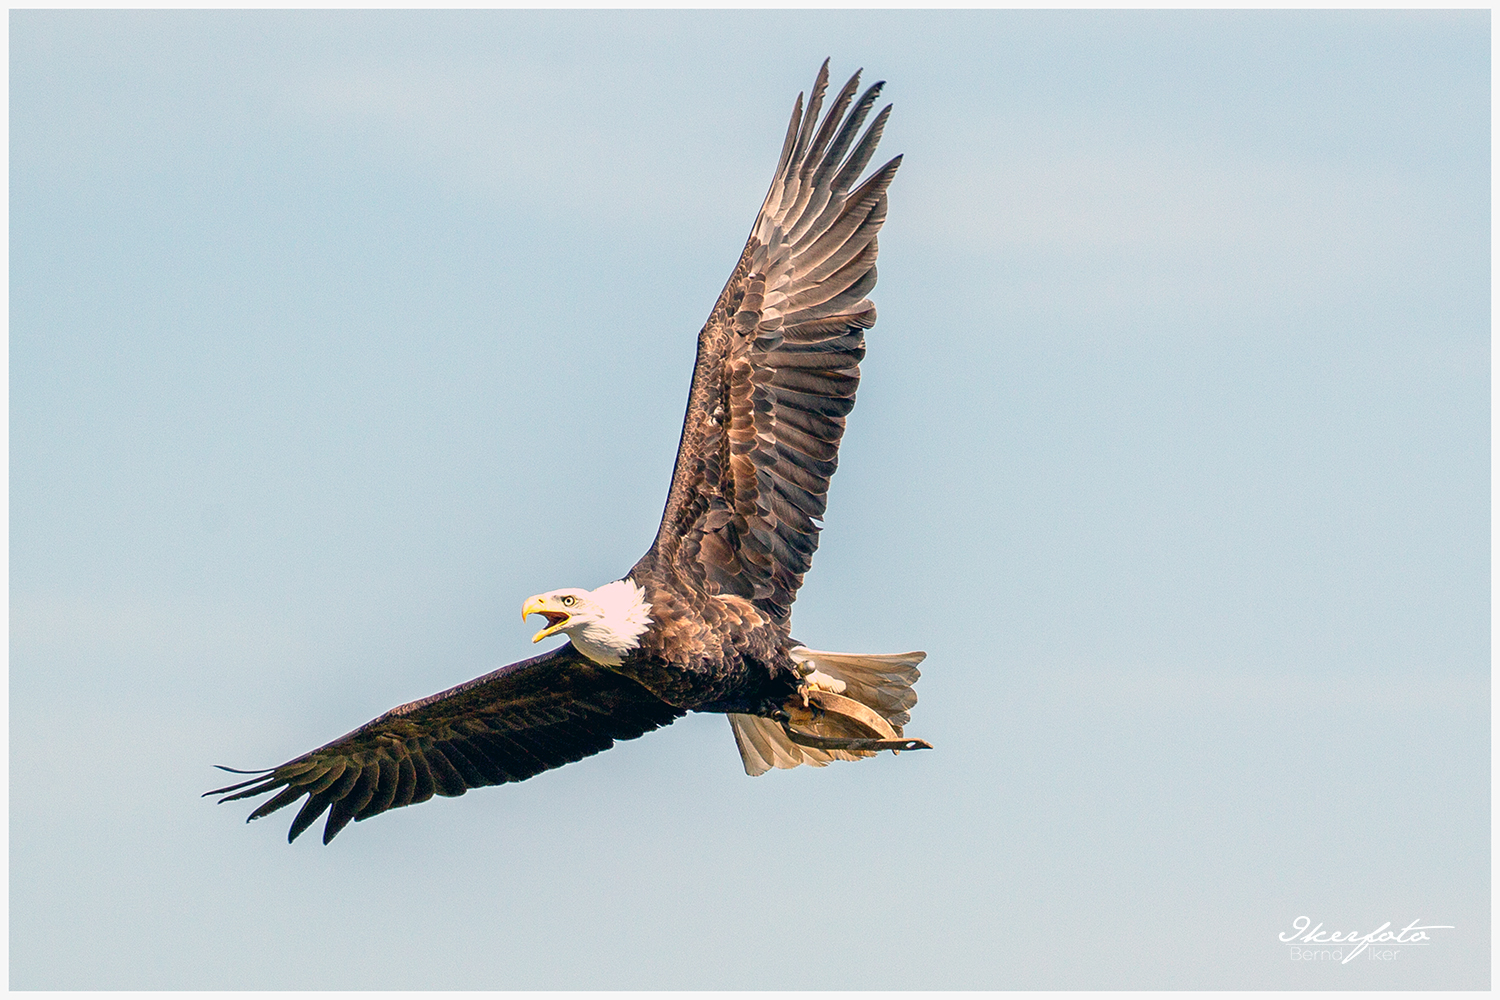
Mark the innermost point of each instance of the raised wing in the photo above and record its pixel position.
(508, 725)
(778, 363)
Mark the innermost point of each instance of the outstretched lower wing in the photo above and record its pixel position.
(508, 725)
(778, 363)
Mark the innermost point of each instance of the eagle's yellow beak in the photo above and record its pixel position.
(556, 620)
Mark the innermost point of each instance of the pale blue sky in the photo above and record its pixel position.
(334, 336)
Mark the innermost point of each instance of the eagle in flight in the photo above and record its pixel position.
(702, 622)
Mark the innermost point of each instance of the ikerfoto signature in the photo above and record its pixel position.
(1303, 932)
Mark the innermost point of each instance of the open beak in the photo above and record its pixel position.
(555, 619)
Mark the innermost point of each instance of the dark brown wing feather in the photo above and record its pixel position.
(778, 364)
(508, 725)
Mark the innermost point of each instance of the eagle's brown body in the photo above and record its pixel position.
(719, 656)
(775, 376)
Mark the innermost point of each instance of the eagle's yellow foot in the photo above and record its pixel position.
(818, 681)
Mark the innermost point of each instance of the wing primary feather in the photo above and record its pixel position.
(335, 771)
(863, 150)
(261, 776)
(792, 129)
(859, 207)
(851, 126)
(389, 772)
(339, 817)
(827, 184)
(814, 190)
(364, 790)
(240, 770)
(311, 810)
(285, 798)
(818, 153)
(271, 784)
(351, 772)
(347, 806)
(810, 119)
(230, 788)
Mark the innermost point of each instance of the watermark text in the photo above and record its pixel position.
(1310, 944)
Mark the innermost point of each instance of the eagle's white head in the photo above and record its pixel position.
(605, 624)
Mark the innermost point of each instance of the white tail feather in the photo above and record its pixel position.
(763, 746)
(881, 681)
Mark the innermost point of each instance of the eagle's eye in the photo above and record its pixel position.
(569, 600)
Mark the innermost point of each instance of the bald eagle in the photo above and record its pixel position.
(702, 622)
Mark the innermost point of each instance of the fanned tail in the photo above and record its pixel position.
(881, 681)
